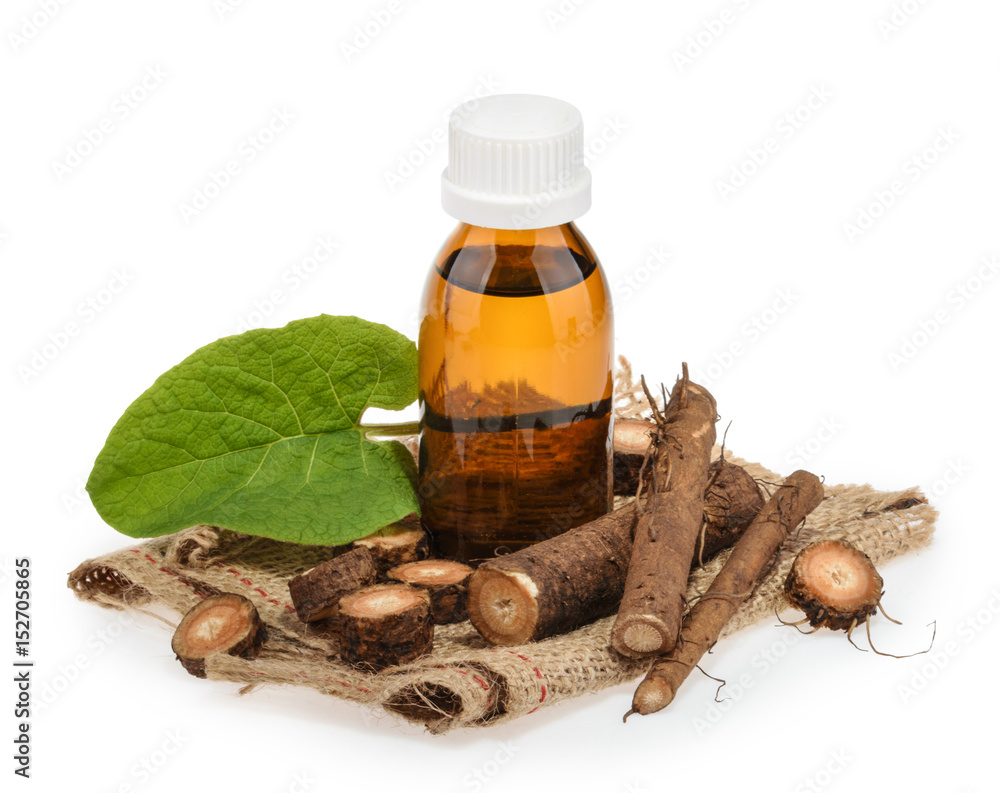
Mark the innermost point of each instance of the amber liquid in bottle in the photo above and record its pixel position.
(516, 346)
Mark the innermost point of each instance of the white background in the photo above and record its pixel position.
(664, 133)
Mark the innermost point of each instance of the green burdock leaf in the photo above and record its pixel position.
(259, 433)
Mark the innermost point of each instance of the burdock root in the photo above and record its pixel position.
(834, 584)
(670, 510)
(385, 625)
(800, 494)
(838, 587)
(219, 624)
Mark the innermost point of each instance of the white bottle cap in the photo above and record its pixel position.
(515, 161)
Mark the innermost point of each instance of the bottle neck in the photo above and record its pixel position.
(521, 262)
(566, 235)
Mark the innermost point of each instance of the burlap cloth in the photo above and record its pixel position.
(464, 682)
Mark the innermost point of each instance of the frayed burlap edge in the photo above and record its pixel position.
(463, 682)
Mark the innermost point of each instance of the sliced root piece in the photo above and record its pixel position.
(444, 580)
(834, 584)
(384, 625)
(503, 605)
(632, 436)
(398, 543)
(315, 594)
(643, 637)
(220, 624)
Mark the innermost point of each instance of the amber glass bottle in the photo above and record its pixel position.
(516, 347)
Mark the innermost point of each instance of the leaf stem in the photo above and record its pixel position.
(373, 431)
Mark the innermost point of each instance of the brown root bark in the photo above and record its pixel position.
(398, 543)
(732, 502)
(562, 583)
(556, 585)
(220, 624)
(444, 580)
(384, 625)
(670, 514)
(799, 495)
(316, 594)
(834, 584)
